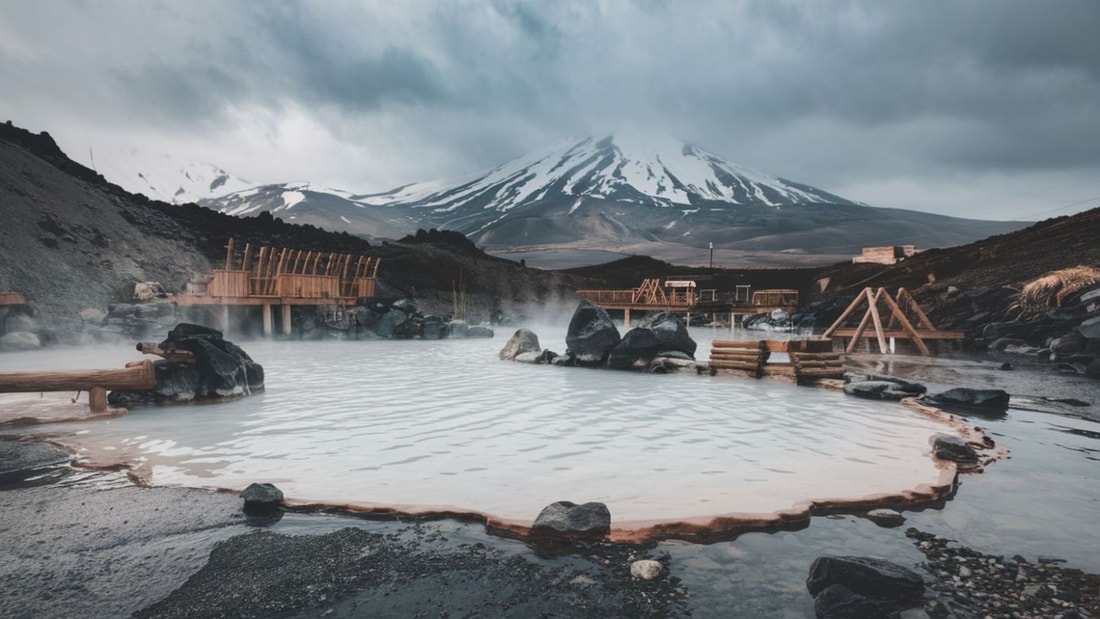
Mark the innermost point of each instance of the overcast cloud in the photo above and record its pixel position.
(981, 108)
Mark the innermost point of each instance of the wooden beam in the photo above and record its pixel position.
(912, 304)
(138, 377)
(857, 336)
(913, 335)
(839, 321)
(247, 257)
(878, 319)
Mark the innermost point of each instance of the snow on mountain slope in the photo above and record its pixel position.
(654, 171)
(165, 177)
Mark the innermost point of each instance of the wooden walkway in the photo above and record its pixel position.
(652, 296)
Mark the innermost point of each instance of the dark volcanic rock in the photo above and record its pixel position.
(261, 498)
(970, 401)
(840, 602)
(221, 369)
(884, 389)
(567, 519)
(659, 335)
(638, 344)
(1090, 328)
(591, 335)
(954, 448)
(671, 333)
(522, 341)
(866, 576)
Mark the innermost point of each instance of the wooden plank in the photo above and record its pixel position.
(247, 257)
(736, 344)
(898, 333)
(819, 364)
(813, 374)
(744, 367)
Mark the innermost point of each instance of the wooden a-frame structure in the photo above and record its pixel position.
(898, 326)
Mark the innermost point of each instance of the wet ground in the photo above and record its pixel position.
(90, 543)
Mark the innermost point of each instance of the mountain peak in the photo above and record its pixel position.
(630, 168)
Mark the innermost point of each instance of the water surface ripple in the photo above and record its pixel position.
(447, 423)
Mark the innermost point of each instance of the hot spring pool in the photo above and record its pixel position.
(445, 423)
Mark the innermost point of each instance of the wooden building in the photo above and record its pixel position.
(891, 254)
(283, 278)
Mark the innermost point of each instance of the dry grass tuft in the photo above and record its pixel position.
(1048, 292)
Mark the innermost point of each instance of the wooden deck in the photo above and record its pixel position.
(283, 278)
(652, 296)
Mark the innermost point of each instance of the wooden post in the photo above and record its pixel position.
(97, 399)
(882, 348)
(287, 323)
(626, 317)
(267, 320)
(229, 255)
(858, 335)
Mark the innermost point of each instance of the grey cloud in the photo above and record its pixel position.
(844, 92)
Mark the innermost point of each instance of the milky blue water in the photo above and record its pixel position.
(429, 423)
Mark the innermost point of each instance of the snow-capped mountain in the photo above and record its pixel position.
(164, 177)
(660, 197)
(655, 172)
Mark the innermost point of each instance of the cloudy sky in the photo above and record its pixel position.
(981, 108)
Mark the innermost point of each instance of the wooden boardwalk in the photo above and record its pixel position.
(677, 296)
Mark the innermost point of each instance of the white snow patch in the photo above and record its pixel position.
(290, 198)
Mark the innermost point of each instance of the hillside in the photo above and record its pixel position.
(73, 241)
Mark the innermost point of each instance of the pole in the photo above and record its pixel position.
(711, 254)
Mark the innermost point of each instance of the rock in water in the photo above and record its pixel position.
(567, 519)
(840, 602)
(885, 517)
(638, 344)
(660, 335)
(867, 576)
(671, 333)
(591, 335)
(522, 341)
(261, 498)
(221, 369)
(971, 401)
(881, 388)
(953, 448)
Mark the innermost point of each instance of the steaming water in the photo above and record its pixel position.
(447, 423)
